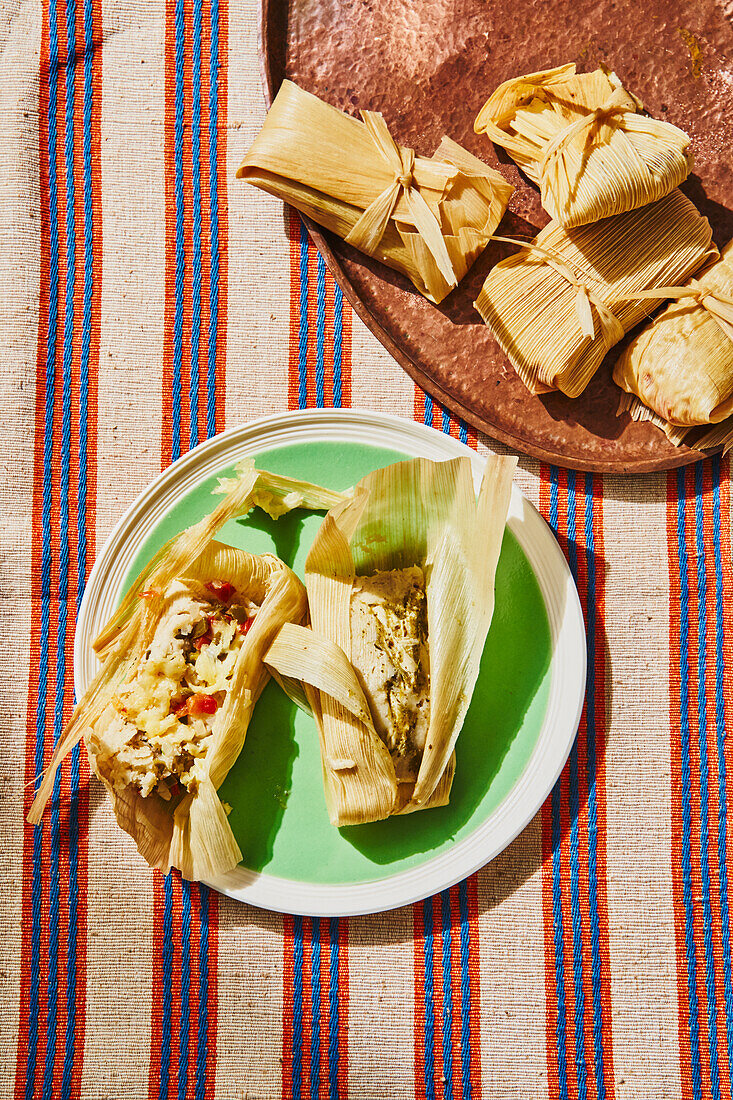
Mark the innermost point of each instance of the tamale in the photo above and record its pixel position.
(584, 139)
(426, 217)
(678, 372)
(167, 714)
(559, 304)
(400, 587)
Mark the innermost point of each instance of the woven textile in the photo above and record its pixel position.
(147, 300)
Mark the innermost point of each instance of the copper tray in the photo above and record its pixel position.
(428, 65)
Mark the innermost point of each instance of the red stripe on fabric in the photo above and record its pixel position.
(328, 338)
(438, 999)
(307, 1011)
(455, 979)
(418, 405)
(176, 940)
(474, 974)
(418, 949)
(346, 352)
(714, 777)
(599, 705)
(213, 1002)
(675, 720)
(222, 134)
(169, 138)
(695, 791)
(343, 1000)
(187, 295)
(727, 631)
(288, 1000)
(311, 390)
(205, 192)
(156, 1007)
(293, 227)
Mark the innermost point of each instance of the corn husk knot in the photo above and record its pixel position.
(427, 217)
(371, 226)
(584, 140)
(677, 373)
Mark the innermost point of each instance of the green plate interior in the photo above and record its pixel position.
(275, 789)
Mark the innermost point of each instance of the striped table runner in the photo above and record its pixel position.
(148, 301)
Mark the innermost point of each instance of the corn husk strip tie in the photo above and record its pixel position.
(616, 104)
(371, 226)
(611, 328)
(719, 306)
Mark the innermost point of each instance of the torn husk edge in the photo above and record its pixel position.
(426, 217)
(412, 513)
(195, 835)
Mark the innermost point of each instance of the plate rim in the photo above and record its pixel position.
(548, 564)
(324, 242)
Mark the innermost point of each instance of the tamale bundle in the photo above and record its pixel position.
(557, 306)
(400, 586)
(678, 372)
(426, 217)
(167, 714)
(583, 139)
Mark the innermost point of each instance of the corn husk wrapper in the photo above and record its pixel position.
(426, 217)
(557, 306)
(678, 372)
(581, 137)
(194, 834)
(413, 513)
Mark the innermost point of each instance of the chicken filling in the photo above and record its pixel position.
(156, 730)
(389, 645)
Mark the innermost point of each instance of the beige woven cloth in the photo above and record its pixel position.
(592, 958)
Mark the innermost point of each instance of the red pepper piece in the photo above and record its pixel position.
(246, 626)
(179, 707)
(222, 590)
(202, 704)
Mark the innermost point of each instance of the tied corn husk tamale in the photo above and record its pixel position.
(426, 217)
(586, 143)
(401, 593)
(166, 716)
(678, 372)
(559, 304)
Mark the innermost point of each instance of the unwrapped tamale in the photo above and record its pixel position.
(166, 716)
(586, 142)
(400, 587)
(678, 372)
(560, 303)
(426, 217)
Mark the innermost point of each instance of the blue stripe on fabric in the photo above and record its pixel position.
(573, 813)
(297, 1066)
(185, 1028)
(556, 839)
(315, 1051)
(214, 272)
(428, 949)
(428, 414)
(465, 937)
(180, 27)
(53, 284)
(445, 421)
(690, 950)
(165, 1030)
(591, 764)
(702, 735)
(338, 332)
(202, 1039)
(320, 329)
(81, 531)
(462, 431)
(333, 1008)
(446, 958)
(722, 778)
(303, 321)
(196, 265)
(63, 589)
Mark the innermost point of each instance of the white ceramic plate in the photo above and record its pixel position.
(567, 670)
